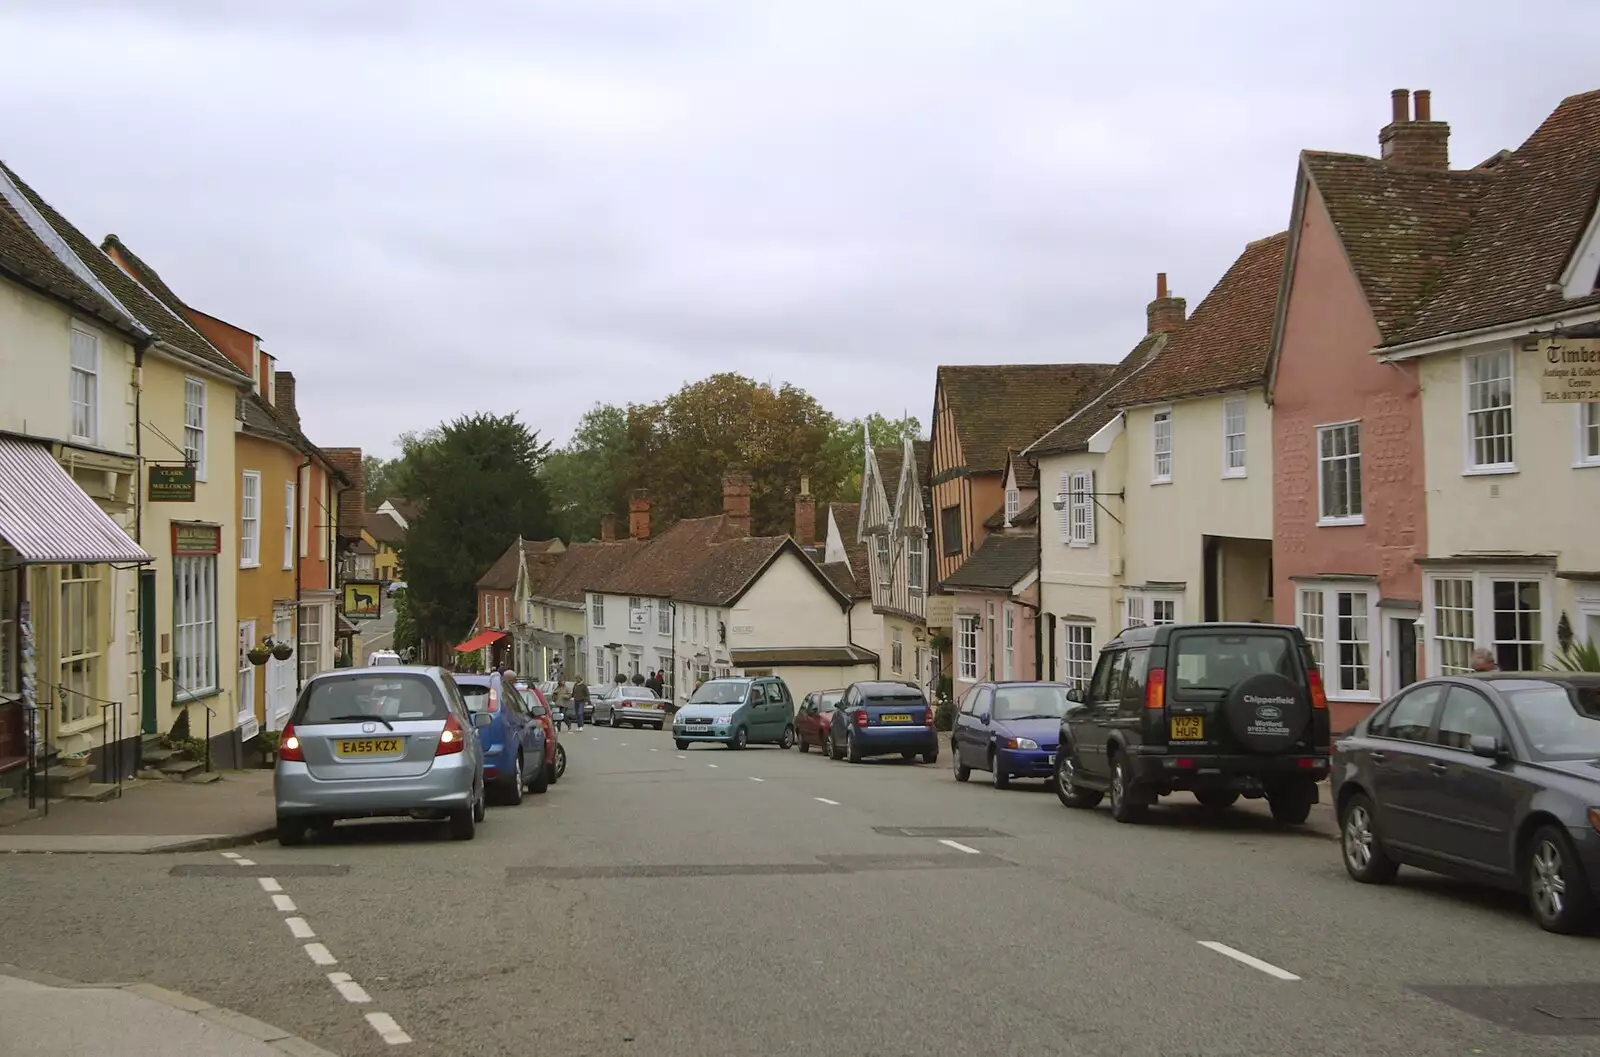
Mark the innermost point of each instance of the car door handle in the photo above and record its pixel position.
(1438, 766)
(1377, 757)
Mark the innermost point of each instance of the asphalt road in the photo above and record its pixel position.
(711, 902)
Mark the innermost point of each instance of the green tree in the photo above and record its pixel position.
(846, 444)
(478, 484)
(379, 475)
(587, 479)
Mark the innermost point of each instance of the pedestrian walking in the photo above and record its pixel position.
(561, 698)
(580, 700)
(1483, 661)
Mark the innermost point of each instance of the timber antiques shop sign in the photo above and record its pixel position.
(1569, 370)
(193, 540)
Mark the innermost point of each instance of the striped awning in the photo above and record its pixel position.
(47, 519)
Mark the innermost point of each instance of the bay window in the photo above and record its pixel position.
(1341, 624)
(1503, 611)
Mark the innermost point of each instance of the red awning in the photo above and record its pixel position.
(479, 641)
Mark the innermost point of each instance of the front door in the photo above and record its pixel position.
(1405, 649)
(281, 674)
(245, 694)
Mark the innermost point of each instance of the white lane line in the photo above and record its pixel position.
(231, 855)
(299, 929)
(711, 765)
(624, 745)
(681, 756)
(958, 846)
(352, 991)
(244, 862)
(753, 778)
(1245, 959)
(655, 750)
(319, 954)
(283, 903)
(269, 884)
(825, 800)
(387, 1029)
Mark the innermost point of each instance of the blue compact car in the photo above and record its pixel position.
(512, 740)
(1011, 730)
(882, 719)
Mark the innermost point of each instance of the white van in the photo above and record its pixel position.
(382, 657)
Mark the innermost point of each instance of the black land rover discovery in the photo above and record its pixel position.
(1221, 710)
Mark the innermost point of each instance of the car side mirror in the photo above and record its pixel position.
(1488, 746)
(984, 719)
(1075, 696)
(482, 719)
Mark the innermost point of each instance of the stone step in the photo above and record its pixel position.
(94, 792)
(205, 778)
(182, 769)
(60, 778)
(156, 756)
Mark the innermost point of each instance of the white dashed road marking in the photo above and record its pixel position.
(385, 1026)
(681, 756)
(1245, 959)
(283, 903)
(655, 750)
(825, 800)
(352, 991)
(710, 765)
(269, 884)
(299, 929)
(753, 778)
(231, 855)
(624, 745)
(958, 846)
(320, 955)
(244, 862)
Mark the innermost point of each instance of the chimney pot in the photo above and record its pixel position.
(1399, 105)
(608, 528)
(1420, 144)
(1166, 313)
(1161, 285)
(639, 518)
(1424, 104)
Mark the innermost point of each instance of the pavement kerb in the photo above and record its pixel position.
(91, 844)
(240, 1024)
(255, 836)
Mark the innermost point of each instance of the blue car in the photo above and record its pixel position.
(882, 719)
(1011, 729)
(513, 739)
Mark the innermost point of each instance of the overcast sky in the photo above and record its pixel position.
(430, 208)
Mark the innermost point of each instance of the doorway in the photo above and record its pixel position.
(1405, 651)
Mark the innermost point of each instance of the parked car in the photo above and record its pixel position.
(1009, 729)
(538, 703)
(514, 753)
(879, 718)
(379, 658)
(815, 716)
(631, 706)
(1221, 710)
(737, 712)
(374, 742)
(1492, 778)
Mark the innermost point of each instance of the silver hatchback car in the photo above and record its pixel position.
(371, 742)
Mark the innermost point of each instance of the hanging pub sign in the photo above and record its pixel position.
(172, 484)
(363, 599)
(193, 540)
(1569, 370)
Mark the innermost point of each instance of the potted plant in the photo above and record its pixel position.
(282, 650)
(259, 653)
(268, 740)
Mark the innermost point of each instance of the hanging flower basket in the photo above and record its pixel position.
(258, 655)
(283, 651)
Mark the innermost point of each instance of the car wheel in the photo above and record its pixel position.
(1217, 799)
(1558, 891)
(998, 776)
(682, 745)
(741, 739)
(511, 791)
(480, 807)
(662, 725)
(291, 831)
(541, 780)
(962, 771)
(1292, 806)
(558, 766)
(802, 744)
(1067, 790)
(852, 748)
(932, 755)
(787, 741)
(907, 754)
(1364, 857)
(1123, 807)
(464, 823)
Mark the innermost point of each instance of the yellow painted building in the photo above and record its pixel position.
(385, 534)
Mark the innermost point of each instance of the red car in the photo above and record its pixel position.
(814, 718)
(555, 754)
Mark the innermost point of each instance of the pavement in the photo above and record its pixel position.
(767, 902)
(153, 816)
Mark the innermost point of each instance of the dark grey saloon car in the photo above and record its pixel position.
(1492, 778)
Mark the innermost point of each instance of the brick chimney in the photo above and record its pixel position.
(736, 503)
(639, 517)
(1166, 313)
(805, 515)
(283, 398)
(352, 501)
(1412, 138)
(608, 527)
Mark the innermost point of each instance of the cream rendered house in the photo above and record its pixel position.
(1508, 349)
(1197, 517)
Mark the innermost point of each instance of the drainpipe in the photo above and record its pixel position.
(300, 499)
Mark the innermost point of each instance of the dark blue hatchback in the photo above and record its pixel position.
(881, 719)
(513, 740)
(1011, 730)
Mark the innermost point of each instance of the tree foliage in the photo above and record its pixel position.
(587, 479)
(478, 486)
(886, 433)
(379, 476)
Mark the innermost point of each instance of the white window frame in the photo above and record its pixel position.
(1010, 642)
(83, 389)
(10, 592)
(250, 520)
(1481, 634)
(597, 610)
(1161, 473)
(244, 693)
(1323, 627)
(966, 647)
(885, 554)
(80, 640)
(663, 617)
(1471, 416)
(1077, 653)
(309, 648)
(194, 424)
(195, 650)
(1587, 420)
(1013, 504)
(288, 524)
(1235, 427)
(1080, 509)
(897, 651)
(324, 529)
(916, 558)
(1355, 497)
(1140, 608)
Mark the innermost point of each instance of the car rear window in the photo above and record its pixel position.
(829, 702)
(895, 700)
(1219, 660)
(476, 695)
(353, 698)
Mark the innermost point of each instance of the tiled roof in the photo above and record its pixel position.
(26, 259)
(666, 564)
(844, 579)
(383, 528)
(1397, 225)
(1529, 219)
(727, 569)
(1225, 344)
(1027, 515)
(259, 420)
(166, 325)
(502, 575)
(999, 563)
(848, 517)
(1074, 433)
(581, 563)
(404, 507)
(1001, 408)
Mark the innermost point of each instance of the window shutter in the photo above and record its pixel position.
(1064, 518)
(1089, 511)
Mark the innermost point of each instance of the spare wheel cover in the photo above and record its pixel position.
(1268, 713)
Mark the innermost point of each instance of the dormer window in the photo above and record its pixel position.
(1013, 504)
(885, 576)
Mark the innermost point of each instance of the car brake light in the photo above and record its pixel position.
(861, 718)
(1319, 697)
(289, 746)
(1155, 689)
(452, 738)
(927, 717)
(494, 700)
